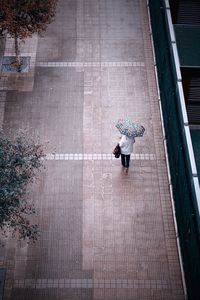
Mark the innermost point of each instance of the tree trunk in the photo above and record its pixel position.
(17, 58)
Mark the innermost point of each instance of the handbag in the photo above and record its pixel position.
(117, 151)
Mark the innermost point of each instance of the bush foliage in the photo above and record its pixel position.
(20, 159)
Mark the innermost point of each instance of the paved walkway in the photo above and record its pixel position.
(104, 234)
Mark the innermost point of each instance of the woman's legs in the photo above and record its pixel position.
(123, 160)
(127, 159)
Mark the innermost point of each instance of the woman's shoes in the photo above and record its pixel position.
(126, 170)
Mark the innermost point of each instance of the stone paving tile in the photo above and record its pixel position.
(105, 235)
(59, 250)
(55, 118)
(59, 42)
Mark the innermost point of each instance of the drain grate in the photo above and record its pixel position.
(8, 67)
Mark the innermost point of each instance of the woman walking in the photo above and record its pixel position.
(126, 146)
(130, 130)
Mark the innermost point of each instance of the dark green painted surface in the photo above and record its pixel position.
(188, 43)
(195, 135)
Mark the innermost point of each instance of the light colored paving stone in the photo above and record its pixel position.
(90, 64)
(96, 156)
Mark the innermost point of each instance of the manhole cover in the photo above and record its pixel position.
(8, 67)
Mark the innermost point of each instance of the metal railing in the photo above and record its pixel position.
(183, 173)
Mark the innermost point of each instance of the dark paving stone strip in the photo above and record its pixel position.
(2, 281)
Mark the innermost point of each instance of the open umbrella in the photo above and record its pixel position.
(129, 128)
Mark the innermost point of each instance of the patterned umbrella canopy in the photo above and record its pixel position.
(129, 128)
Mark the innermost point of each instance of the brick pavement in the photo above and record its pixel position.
(104, 234)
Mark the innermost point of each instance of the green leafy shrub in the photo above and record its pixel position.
(20, 159)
